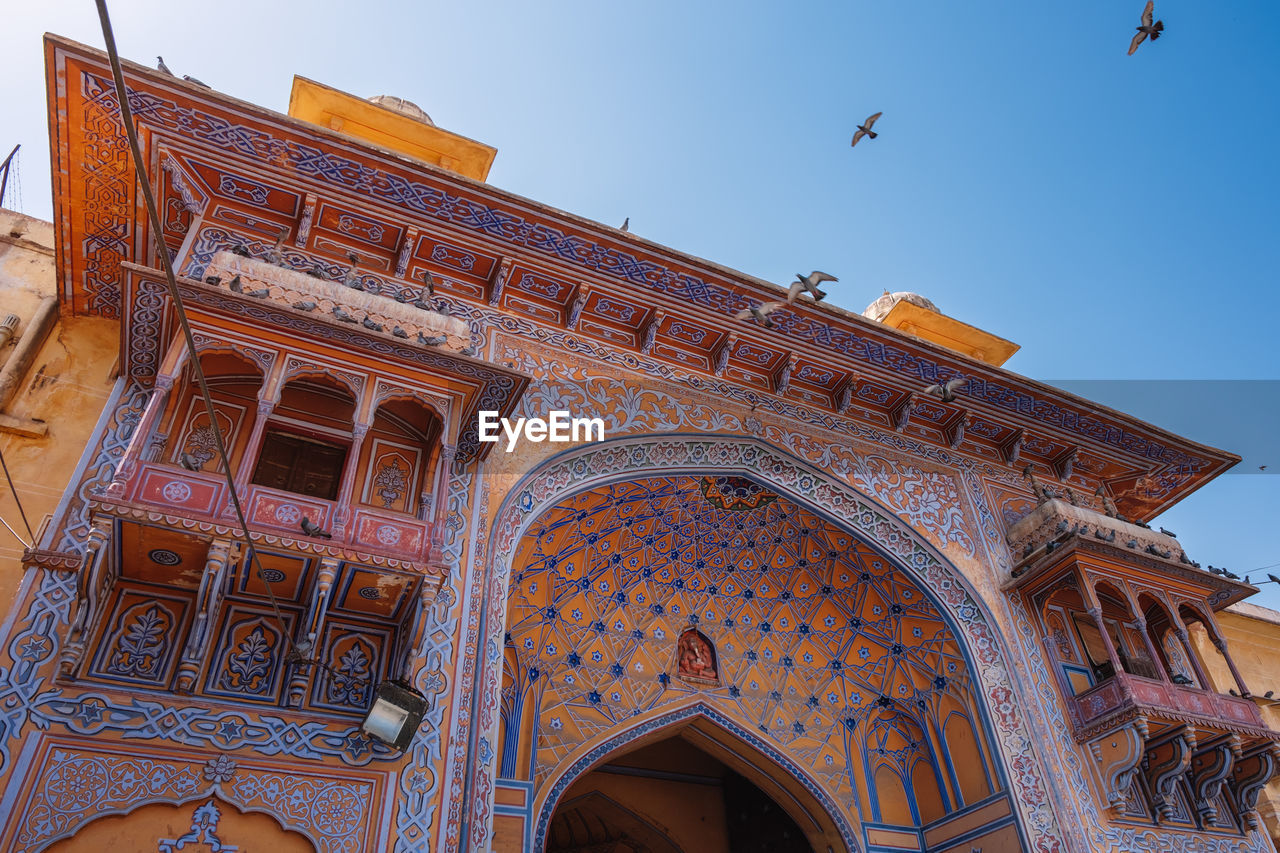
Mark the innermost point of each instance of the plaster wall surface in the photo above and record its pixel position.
(60, 394)
(1253, 638)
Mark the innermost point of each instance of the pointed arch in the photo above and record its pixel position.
(589, 466)
(808, 804)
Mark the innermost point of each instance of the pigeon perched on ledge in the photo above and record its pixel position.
(314, 530)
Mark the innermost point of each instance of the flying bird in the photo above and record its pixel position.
(1147, 28)
(190, 462)
(760, 313)
(809, 284)
(864, 129)
(164, 68)
(947, 393)
(234, 284)
(314, 529)
(343, 315)
(433, 341)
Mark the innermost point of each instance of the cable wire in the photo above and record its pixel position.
(126, 116)
(16, 500)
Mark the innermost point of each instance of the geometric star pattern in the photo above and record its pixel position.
(821, 644)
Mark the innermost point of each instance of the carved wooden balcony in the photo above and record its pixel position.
(1125, 697)
(200, 501)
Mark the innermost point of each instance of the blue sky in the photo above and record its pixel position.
(1117, 216)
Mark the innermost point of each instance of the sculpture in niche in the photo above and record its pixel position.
(696, 657)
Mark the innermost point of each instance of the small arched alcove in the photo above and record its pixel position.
(234, 382)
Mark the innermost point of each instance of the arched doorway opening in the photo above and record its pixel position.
(673, 796)
(636, 597)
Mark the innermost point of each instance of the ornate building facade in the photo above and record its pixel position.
(792, 601)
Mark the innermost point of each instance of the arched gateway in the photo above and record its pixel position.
(856, 680)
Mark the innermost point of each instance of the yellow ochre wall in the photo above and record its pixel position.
(61, 394)
(1253, 640)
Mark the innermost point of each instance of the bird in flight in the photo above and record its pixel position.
(1147, 28)
(809, 284)
(947, 393)
(760, 313)
(864, 129)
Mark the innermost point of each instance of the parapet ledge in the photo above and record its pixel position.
(1056, 519)
(336, 302)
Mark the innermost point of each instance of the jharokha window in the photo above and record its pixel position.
(294, 463)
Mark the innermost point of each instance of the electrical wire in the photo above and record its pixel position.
(292, 654)
(16, 500)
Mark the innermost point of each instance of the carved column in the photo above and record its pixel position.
(310, 630)
(249, 460)
(1210, 768)
(407, 665)
(93, 583)
(1141, 623)
(435, 556)
(139, 442)
(1180, 631)
(1221, 645)
(208, 606)
(343, 513)
(1096, 614)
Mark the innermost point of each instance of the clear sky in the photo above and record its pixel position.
(1118, 216)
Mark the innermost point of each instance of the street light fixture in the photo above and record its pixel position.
(394, 716)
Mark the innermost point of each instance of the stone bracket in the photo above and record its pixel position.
(1163, 774)
(309, 630)
(1118, 755)
(1251, 773)
(1210, 767)
(93, 585)
(208, 606)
